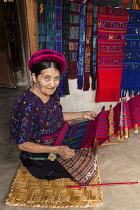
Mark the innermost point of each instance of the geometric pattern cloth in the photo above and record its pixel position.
(112, 25)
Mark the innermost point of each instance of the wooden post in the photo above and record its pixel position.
(31, 9)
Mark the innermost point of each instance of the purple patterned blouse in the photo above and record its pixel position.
(32, 118)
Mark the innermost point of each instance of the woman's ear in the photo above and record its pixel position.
(34, 77)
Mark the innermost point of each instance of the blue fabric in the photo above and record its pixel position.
(131, 69)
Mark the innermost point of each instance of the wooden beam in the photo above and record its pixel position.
(31, 9)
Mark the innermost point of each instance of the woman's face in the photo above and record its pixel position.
(47, 81)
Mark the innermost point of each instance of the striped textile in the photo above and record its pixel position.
(83, 166)
(112, 24)
(131, 68)
(131, 114)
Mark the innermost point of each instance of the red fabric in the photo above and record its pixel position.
(111, 40)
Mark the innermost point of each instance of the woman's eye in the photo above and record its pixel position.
(57, 78)
(46, 78)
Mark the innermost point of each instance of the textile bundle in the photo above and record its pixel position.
(112, 25)
(131, 68)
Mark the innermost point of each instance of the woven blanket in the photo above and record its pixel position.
(131, 68)
(112, 24)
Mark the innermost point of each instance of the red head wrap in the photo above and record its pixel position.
(47, 55)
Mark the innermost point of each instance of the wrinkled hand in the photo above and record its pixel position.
(65, 152)
(88, 115)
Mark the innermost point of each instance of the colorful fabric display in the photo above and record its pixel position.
(74, 24)
(131, 68)
(112, 24)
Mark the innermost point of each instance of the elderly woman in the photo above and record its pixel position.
(36, 121)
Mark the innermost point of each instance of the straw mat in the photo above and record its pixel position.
(29, 191)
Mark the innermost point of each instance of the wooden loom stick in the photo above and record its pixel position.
(136, 128)
(97, 185)
(110, 143)
(111, 122)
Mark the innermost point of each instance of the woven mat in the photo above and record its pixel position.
(29, 191)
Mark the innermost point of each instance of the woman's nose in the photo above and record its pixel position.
(51, 82)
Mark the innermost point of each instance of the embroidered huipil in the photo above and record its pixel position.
(32, 118)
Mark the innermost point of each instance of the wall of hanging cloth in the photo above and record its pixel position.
(131, 66)
(71, 27)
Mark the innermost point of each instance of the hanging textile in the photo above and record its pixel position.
(112, 24)
(65, 48)
(50, 33)
(81, 53)
(93, 67)
(58, 27)
(131, 68)
(41, 24)
(74, 25)
(88, 44)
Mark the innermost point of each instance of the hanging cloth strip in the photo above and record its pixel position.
(93, 68)
(112, 24)
(46, 24)
(50, 14)
(81, 53)
(59, 22)
(41, 22)
(74, 25)
(88, 45)
(58, 27)
(65, 48)
(131, 68)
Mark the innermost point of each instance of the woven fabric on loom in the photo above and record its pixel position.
(80, 137)
(131, 113)
(112, 24)
(131, 68)
(74, 25)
